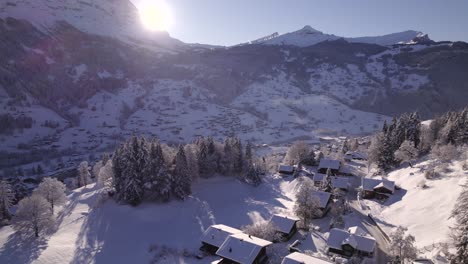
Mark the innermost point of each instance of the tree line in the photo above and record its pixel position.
(405, 138)
(146, 169)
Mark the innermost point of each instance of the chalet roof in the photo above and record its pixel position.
(339, 182)
(339, 237)
(282, 223)
(242, 248)
(329, 163)
(285, 168)
(356, 230)
(216, 234)
(346, 169)
(324, 197)
(319, 177)
(300, 258)
(369, 184)
(356, 155)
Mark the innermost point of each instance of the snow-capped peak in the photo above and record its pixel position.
(308, 30)
(303, 37)
(308, 36)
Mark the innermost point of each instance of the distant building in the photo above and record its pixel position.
(243, 249)
(300, 258)
(286, 226)
(375, 188)
(335, 181)
(352, 241)
(346, 170)
(341, 183)
(285, 169)
(324, 201)
(319, 178)
(355, 155)
(333, 165)
(214, 237)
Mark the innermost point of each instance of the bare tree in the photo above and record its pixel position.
(6, 199)
(444, 152)
(307, 206)
(265, 230)
(53, 191)
(297, 153)
(407, 152)
(83, 174)
(402, 246)
(105, 175)
(33, 214)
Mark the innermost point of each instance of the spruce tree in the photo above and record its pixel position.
(159, 178)
(132, 192)
(181, 175)
(460, 231)
(238, 157)
(227, 156)
(248, 154)
(202, 156)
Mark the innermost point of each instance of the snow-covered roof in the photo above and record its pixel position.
(324, 197)
(356, 230)
(339, 182)
(369, 184)
(283, 223)
(319, 177)
(216, 234)
(300, 258)
(285, 168)
(339, 237)
(329, 163)
(242, 248)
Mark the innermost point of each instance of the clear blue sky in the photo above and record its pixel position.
(228, 22)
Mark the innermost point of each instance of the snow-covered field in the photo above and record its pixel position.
(425, 212)
(92, 231)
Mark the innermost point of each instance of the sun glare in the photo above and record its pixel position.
(155, 15)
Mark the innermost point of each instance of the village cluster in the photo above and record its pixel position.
(233, 245)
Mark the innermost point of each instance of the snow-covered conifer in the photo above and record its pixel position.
(460, 230)
(7, 197)
(181, 175)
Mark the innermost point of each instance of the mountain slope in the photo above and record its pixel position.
(308, 36)
(111, 18)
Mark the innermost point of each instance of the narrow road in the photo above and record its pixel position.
(383, 245)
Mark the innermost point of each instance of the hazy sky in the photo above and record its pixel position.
(230, 22)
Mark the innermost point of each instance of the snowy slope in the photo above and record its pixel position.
(92, 231)
(425, 212)
(308, 36)
(118, 19)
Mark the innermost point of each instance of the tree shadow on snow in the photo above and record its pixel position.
(22, 247)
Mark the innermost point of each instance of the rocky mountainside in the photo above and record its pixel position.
(84, 74)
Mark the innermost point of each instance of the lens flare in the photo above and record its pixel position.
(156, 15)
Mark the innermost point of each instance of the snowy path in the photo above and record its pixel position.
(360, 215)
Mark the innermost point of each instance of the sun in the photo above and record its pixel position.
(155, 15)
